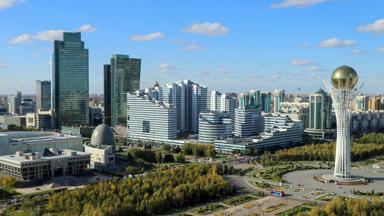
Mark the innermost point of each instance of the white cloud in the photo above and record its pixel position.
(301, 62)
(208, 29)
(24, 38)
(86, 28)
(377, 27)
(297, 3)
(313, 68)
(188, 46)
(50, 35)
(4, 4)
(380, 50)
(335, 42)
(165, 68)
(148, 37)
(357, 52)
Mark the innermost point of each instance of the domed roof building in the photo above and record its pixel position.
(101, 148)
(103, 135)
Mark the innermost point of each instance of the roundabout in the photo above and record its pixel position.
(302, 185)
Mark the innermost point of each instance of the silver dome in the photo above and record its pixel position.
(103, 135)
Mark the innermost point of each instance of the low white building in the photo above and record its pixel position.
(46, 164)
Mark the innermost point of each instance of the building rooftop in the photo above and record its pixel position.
(103, 135)
(46, 154)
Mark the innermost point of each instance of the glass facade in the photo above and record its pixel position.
(125, 78)
(71, 81)
(107, 94)
(43, 95)
(320, 107)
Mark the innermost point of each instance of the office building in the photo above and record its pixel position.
(266, 101)
(70, 81)
(102, 148)
(278, 98)
(280, 132)
(248, 122)
(27, 106)
(48, 163)
(12, 142)
(43, 95)
(214, 125)
(124, 77)
(320, 116)
(42, 120)
(149, 119)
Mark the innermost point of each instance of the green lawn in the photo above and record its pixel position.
(295, 211)
(208, 209)
(237, 200)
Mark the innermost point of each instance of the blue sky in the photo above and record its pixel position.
(226, 45)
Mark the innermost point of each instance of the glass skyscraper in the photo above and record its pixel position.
(107, 94)
(125, 77)
(43, 95)
(70, 81)
(320, 108)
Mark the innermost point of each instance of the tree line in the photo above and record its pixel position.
(326, 152)
(342, 206)
(155, 193)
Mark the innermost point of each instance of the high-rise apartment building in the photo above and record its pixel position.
(124, 76)
(278, 98)
(189, 99)
(248, 122)
(70, 81)
(43, 95)
(12, 105)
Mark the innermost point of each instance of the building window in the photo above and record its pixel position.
(146, 126)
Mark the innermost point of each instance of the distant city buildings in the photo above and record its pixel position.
(367, 121)
(361, 103)
(70, 81)
(266, 101)
(43, 95)
(122, 76)
(374, 103)
(278, 98)
(297, 111)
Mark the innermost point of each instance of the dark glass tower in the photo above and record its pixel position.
(107, 94)
(125, 77)
(70, 80)
(43, 95)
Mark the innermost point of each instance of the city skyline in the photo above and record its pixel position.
(280, 44)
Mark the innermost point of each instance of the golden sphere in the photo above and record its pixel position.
(344, 77)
